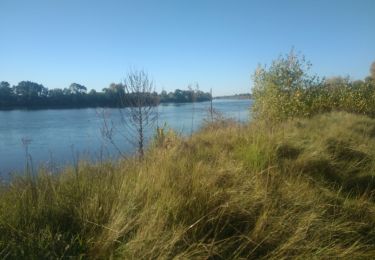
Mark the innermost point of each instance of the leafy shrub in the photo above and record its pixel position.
(284, 89)
(287, 90)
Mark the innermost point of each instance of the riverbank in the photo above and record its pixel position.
(302, 188)
(58, 137)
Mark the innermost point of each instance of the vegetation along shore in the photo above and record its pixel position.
(31, 95)
(297, 181)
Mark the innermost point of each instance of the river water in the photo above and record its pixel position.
(54, 138)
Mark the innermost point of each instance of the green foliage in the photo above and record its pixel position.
(287, 90)
(282, 91)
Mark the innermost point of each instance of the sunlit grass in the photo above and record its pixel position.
(302, 188)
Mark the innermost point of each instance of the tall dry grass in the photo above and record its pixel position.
(298, 189)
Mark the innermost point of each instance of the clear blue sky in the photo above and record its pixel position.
(215, 43)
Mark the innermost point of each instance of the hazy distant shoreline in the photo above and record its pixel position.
(236, 96)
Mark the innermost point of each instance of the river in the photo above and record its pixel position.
(54, 138)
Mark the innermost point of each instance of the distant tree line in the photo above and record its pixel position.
(235, 96)
(180, 96)
(27, 94)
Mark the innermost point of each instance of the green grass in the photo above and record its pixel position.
(298, 189)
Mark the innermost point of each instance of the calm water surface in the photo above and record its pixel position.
(59, 137)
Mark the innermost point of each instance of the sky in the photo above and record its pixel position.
(217, 44)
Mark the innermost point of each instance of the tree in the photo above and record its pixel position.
(30, 89)
(76, 88)
(5, 90)
(93, 92)
(4, 84)
(142, 111)
(6, 97)
(278, 89)
(164, 96)
(116, 88)
(179, 95)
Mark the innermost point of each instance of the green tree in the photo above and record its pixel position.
(279, 91)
